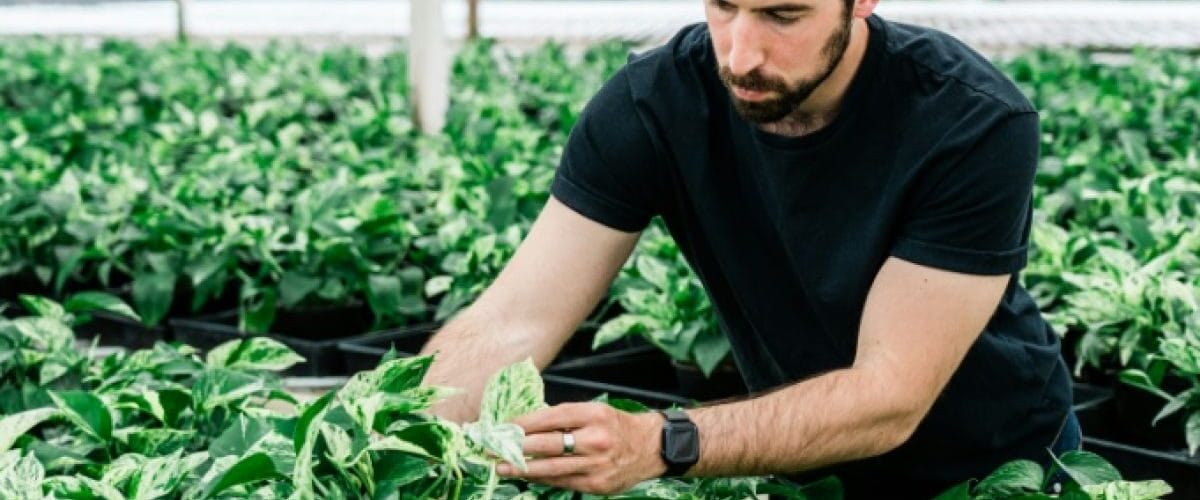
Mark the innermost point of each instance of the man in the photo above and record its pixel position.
(855, 196)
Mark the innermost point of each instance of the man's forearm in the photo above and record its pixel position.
(470, 349)
(839, 416)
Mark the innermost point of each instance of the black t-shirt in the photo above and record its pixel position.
(931, 159)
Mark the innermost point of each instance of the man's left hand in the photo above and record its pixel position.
(614, 450)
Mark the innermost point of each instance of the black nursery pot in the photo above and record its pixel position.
(1140, 464)
(1134, 410)
(1093, 407)
(365, 351)
(116, 330)
(23, 283)
(642, 367)
(312, 333)
(563, 389)
(1107, 434)
(725, 382)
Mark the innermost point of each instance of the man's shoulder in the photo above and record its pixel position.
(678, 66)
(933, 59)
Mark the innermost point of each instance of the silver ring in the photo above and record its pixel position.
(568, 443)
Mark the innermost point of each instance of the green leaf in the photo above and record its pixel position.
(625, 405)
(1141, 380)
(435, 438)
(1087, 468)
(503, 439)
(394, 376)
(154, 442)
(305, 439)
(1193, 433)
(384, 294)
(654, 271)
(152, 295)
(515, 391)
(159, 477)
(1185, 356)
(45, 334)
(81, 488)
(168, 404)
(1172, 407)
(393, 471)
(20, 476)
(253, 353)
(258, 315)
(217, 387)
(393, 443)
(86, 411)
(44, 307)
(99, 301)
(17, 424)
(294, 287)
(239, 437)
(255, 467)
(710, 349)
(1012, 479)
(438, 285)
(1126, 490)
(620, 327)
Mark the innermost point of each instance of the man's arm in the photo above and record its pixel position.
(918, 323)
(557, 276)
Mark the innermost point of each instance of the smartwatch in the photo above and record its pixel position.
(680, 442)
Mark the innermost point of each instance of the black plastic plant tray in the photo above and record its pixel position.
(646, 367)
(563, 389)
(364, 352)
(1136, 464)
(322, 357)
(642, 367)
(1105, 435)
(116, 330)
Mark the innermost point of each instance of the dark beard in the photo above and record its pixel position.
(790, 98)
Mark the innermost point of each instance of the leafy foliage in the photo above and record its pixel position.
(162, 423)
(1087, 477)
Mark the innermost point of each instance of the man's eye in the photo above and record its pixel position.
(722, 5)
(778, 18)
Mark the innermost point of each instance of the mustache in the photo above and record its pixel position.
(753, 80)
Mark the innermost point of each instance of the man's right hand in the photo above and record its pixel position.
(559, 273)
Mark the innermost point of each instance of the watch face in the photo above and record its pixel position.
(682, 443)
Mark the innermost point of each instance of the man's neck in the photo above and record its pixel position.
(821, 108)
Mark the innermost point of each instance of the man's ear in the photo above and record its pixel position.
(864, 8)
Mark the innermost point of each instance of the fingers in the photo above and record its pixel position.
(564, 416)
(545, 469)
(545, 444)
(588, 441)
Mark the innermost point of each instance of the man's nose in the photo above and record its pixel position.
(745, 50)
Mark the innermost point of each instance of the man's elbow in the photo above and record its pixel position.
(900, 423)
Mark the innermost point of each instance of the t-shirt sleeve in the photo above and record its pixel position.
(609, 167)
(972, 213)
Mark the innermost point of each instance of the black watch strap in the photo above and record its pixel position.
(680, 442)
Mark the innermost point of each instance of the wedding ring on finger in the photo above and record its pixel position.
(568, 443)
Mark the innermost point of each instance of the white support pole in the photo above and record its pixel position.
(472, 19)
(181, 19)
(428, 65)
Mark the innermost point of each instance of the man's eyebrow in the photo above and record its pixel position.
(784, 7)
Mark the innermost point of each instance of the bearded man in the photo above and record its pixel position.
(855, 195)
